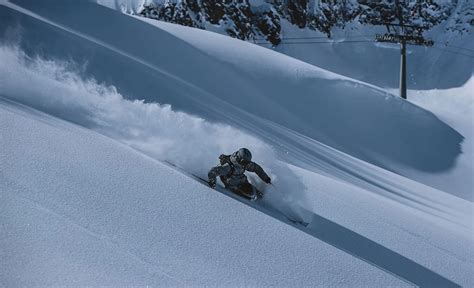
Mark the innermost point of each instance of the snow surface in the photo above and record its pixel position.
(454, 106)
(449, 63)
(82, 209)
(123, 218)
(334, 112)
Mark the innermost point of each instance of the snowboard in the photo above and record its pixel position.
(236, 192)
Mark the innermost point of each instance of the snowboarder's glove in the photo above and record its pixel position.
(212, 183)
(268, 180)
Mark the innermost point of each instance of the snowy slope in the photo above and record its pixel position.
(454, 106)
(244, 58)
(352, 50)
(82, 209)
(324, 106)
(62, 176)
(397, 226)
(449, 63)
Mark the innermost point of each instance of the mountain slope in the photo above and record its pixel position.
(377, 223)
(75, 198)
(348, 115)
(301, 29)
(140, 212)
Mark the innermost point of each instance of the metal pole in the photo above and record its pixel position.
(403, 71)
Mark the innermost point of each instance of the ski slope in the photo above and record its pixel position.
(81, 209)
(64, 205)
(310, 101)
(112, 197)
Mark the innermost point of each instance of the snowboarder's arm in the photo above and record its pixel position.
(254, 167)
(221, 170)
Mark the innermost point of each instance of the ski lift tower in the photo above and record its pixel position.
(403, 34)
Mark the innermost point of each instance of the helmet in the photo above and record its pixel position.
(243, 155)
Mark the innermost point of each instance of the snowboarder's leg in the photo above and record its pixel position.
(248, 191)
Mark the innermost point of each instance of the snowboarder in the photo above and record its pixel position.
(231, 172)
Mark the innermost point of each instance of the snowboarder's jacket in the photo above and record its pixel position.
(231, 171)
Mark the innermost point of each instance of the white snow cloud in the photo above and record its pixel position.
(156, 129)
